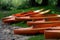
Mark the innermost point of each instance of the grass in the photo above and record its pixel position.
(22, 24)
(37, 37)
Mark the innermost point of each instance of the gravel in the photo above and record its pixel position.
(6, 33)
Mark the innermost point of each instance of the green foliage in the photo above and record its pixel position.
(37, 37)
(4, 2)
(39, 1)
(25, 4)
(52, 2)
(14, 4)
(17, 3)
(20, 24)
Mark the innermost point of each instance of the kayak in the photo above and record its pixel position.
(29, 30)
(52, 34)
(42, 24)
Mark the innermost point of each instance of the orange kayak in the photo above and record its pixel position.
(25, 31)
(30, 30)
(52, 34)
(54, 17)
(30, 23)
(9, 19)
(33, 16)
(25, 14)
(39, 24)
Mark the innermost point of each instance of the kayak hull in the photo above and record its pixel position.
(29, 30)
(52, 34)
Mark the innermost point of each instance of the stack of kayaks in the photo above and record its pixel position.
(38, 21)
(23, 16)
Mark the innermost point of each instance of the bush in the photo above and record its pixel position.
(14, 4)
(39, 1)
(18, 4)
(53, 2)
